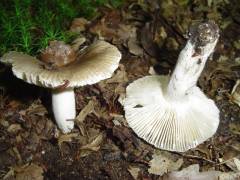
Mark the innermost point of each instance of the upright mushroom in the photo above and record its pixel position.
(173, 113)
(61, 73)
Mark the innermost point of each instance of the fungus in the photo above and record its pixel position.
(93, 64)
(172, 113)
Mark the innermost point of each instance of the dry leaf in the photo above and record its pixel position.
(235, 95)
(94, 145)
(9, 175)
(134, 46)
(119, 77)
(66, 138)
(237, 163)
(192, 173)
(162, 163)
(129, 34)
(229, 176)
(79, 25)
(14, 128)
(118, 120)
(134, 171)
(234, 164)
(77, 43)
(36, 108)
(29, 172)
(89, 108)
(235, 127)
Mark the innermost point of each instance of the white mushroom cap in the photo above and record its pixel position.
(97, 62)
(169, 125)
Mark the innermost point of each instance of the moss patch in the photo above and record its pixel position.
(28, 25)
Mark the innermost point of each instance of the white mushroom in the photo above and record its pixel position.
(172, 113)
(95, 63)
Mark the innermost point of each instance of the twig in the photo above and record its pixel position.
(196, 157)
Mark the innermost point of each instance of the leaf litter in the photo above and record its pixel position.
(102, 146)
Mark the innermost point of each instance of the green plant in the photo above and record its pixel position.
(28, 25)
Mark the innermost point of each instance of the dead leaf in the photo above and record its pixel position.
(66, 138)
(36, 108)
(17, 154)
(192, 173)
(9, 175)
(4, 123)
(134, 171)
(29, 172)
(162, 162)
(235, 95)
(78, 42)
(125, 32)
(14, 128)
(91, 142)
(134, 47)
(95, 144)
(128, 34)
(233, 163)
(237, 163)
(229, 176)
(14, 104)
(106, 27)
(119, 120)
(235, 127)
(119, 77)
(89, 108)
(79, 25)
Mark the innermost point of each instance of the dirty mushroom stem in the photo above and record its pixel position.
(202, 40)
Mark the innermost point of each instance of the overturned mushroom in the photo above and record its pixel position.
(95, 63)
(173, 113)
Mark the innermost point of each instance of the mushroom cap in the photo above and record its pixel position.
(97, 62)
(167, 124)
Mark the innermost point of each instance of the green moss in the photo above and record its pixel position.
(28, 25)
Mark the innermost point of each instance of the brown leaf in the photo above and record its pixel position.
(29, 172)
(91, 142)
(94, 145)
(66, 138)
(162, 163)
(192, 172)
(134, 47)
(235, 95)
(134, 171)
(119, 77)
(79, 24)
(106, 27)
(89, 108)
(14, 128)
(36, 108)
(77, 43)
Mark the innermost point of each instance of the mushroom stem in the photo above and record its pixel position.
(192, 60)
(64, 109)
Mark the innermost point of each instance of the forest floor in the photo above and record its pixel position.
(102, 146)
